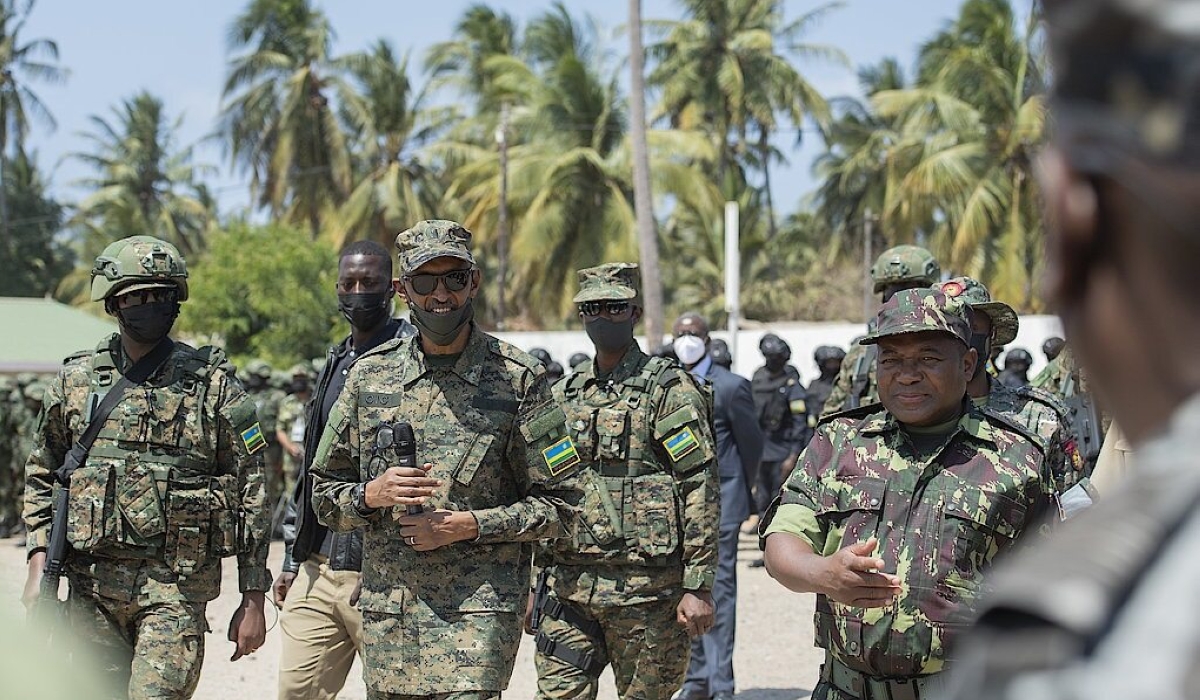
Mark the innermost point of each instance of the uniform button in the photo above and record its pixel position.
(874, 501)
(852, 647)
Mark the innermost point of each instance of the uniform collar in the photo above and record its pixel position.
(972, 423)
(630, 364)
(469, 365)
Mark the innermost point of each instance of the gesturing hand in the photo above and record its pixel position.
(852, 576)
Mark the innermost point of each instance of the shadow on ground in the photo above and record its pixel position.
(774, 694)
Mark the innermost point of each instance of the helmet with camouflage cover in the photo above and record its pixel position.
(138, 262)
(258, 368)
(973, 293)
(303, 369)
(35, 392)
(905, 264)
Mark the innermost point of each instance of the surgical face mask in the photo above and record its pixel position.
(689, 349)
(608, 335)
(148, 323)
(364, 310)
(442, 329)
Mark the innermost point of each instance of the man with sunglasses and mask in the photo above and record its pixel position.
(322, 628)
(172, 483)
(447, 531)
(633, 579)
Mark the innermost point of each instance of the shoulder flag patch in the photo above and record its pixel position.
(560, 456)
(681, 444)
(253, 438)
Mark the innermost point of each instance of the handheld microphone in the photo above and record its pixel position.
(406, 452)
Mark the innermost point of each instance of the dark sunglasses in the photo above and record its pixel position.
(595, 308)
(426, 282)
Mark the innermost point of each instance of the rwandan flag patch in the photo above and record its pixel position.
(560, 456)
(681, 444)
(253, 438)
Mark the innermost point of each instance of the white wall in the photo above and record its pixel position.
(803, 338)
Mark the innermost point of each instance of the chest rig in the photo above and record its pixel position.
(150, 487)
(628, 510)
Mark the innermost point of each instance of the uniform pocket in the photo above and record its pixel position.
(189, 506)
(611, 428)
(854, 505)
(656, 514)
(465, 472)
(91, 507)
(597, 518)
(139, 503)
(983, 523)
(228, 527)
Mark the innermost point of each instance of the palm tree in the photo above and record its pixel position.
(279, 121)
(389, 124)
(647, 232)
(461, 63)
(962, 168)
(144, 183)
(20, 63)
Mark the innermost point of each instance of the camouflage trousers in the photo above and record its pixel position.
(468, 695)
(147, 652)
(646, 647)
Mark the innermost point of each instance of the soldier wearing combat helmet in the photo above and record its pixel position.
(895, 512)
(172, 483)
(1107, 608)
(897, 269)
(633, 579)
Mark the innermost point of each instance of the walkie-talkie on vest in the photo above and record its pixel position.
(406, 452)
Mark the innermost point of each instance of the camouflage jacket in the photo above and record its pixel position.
(1045, 418)
(858, 365)
(452, 613)
(940, 522)
(173, 479)
(266, 401)
(649, 500)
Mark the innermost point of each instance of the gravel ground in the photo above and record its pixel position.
(775, 658)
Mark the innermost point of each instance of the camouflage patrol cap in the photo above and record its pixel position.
(610, 282)
(905, 263)
(138, 262)
(302, 369)
(258, 368)
(919, 310)
(1126, 78)
(973, 293)
(431, 239)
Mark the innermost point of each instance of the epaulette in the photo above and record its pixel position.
(512, 353)
(1044, 397)
(1007, 422)
(384, 347)
(75, 356)
(858, 413)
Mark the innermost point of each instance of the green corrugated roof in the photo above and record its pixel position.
(36, 334)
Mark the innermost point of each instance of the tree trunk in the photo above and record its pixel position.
(764, 146)
(643, 203)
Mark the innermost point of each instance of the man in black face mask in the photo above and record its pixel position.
(173, 450)
(322, 630)
(783, 417)
(634, 580)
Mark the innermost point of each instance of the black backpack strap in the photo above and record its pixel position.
(141, 370)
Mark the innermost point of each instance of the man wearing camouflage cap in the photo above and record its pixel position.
(899, 268)
(895, 512)
(172, 483)
(634, 578)
(1108, 607)
(443, 588)
(1042, 415)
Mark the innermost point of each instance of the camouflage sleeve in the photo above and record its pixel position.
(335, 468)
(543, 508)
(52, 441)
(240, 442)
(685, 408)
(839, 396)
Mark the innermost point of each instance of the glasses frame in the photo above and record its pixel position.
(610, 307)
(442, 278)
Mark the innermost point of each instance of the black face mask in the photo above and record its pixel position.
(610, 336)
(148, 323)
(982, 343)
(299, 386)
(775, 363)
(364, 311)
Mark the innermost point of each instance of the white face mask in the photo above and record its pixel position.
(689, 349)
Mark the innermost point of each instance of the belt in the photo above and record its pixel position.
(865, 687)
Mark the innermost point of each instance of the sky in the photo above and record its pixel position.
(177, 50)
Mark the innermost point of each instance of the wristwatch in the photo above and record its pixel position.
(360, 500)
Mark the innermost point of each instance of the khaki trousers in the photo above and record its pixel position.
(322, 633)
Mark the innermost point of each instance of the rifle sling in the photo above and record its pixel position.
(138, 373)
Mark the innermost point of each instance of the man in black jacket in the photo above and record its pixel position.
(322, 630)
(739, 450)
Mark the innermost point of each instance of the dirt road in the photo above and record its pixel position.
(775, 658)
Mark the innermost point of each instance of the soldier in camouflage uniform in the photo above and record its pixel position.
(32, 397)
(643, 558)
(444, 589)
(257, 378)
(897, 269)
(9, 512)
(1040, 413)
(1108, 607)
(895, 512)
(171, 485)
(290, 433)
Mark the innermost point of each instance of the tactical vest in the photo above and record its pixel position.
(149, 488)
(629, 509)
(771, 399)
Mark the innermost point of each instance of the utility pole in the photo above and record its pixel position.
(868, 283)
(502, 228)
(643, 202)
